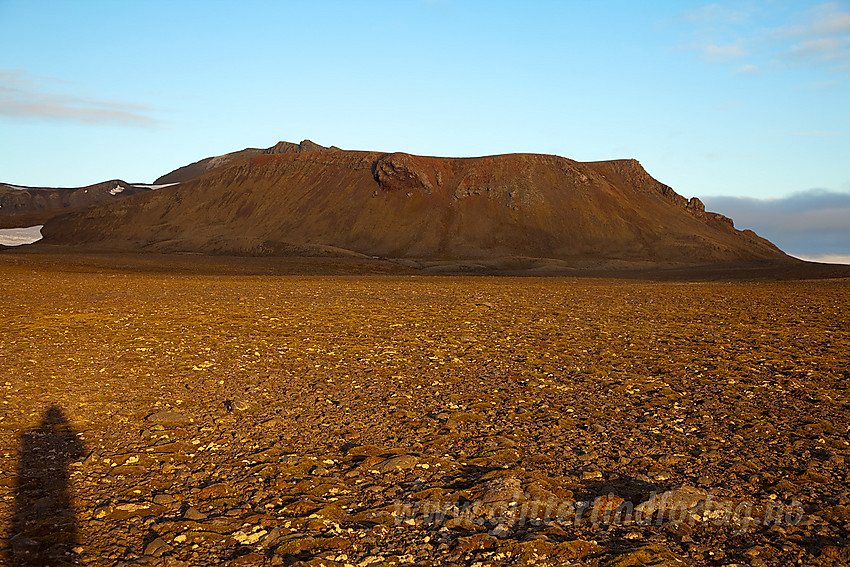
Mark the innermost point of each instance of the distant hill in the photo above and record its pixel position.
(28, 206)
(308, 200)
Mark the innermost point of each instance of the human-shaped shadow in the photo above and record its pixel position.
(44, 525)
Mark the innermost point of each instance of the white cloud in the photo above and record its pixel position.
(823, 36)
(832, 23)
(823, 85)
(814, 134)
(749, 70)
(818, 36)
(822, 49)
(822, 20)
(723, 52)
(716, 14)
(23, 99)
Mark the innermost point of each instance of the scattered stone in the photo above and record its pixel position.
(163, 499)
(474, 542)
(133, 510)
(656, 555)
(676, 505)
(194, 514)
(503, 489)
(157, 548)
(398, 463)
(236, 405)
(168, 419)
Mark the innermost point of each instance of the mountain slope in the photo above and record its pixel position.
(28, 206)
(200, 167)
(404, 206)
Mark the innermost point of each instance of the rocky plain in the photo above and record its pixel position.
(155, 417)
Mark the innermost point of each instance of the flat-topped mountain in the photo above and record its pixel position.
(329, 201)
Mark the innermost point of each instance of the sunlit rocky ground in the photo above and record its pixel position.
(185, 419)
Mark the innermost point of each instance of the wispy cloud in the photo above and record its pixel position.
(814, 134)
(23, 98)
(749, 70)
(716, 14)
(822, 20)
(723, 52)
(810, 223)
(823, 85)
(822, 36)
(817, 36)
(820, 49)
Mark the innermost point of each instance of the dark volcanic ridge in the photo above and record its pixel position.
(304, 199)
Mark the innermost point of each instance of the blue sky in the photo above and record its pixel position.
(737, 99)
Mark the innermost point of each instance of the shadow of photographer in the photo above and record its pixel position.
(44, 524)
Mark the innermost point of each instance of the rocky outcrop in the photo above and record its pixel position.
(695, 207)
(721, 219)
(290, 148)
(400, 172)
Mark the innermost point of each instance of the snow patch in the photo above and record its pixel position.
(20, 236)
(160, 186)
(825, 258)
(16, 187)
(115, 190)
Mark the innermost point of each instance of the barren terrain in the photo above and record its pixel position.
(154, 418)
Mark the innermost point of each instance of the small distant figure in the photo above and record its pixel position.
(44, 524)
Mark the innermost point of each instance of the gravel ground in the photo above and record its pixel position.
(184, 419)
